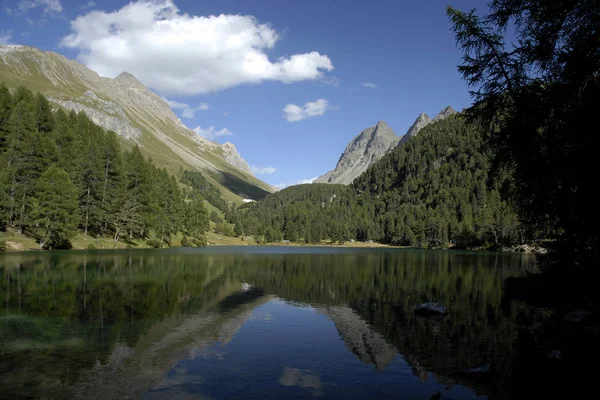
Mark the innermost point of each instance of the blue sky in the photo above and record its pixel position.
(336, 67)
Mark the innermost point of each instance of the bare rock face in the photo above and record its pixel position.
(446, 112)
(366, 148)
(107, 114)
(371, 144)
(422, 121)
(231, 155)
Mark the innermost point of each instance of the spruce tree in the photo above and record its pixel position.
(55, 209)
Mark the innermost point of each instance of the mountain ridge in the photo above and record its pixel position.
(364, 149)
(139, 115)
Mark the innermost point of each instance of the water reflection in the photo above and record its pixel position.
(132, 324)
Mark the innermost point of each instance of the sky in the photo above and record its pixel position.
(290, 83)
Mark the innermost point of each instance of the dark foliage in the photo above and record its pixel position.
(433, 191)
(60, 173)
(538, 96)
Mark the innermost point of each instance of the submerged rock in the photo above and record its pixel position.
(481, 370)
(430, 308)
(578, 316)
(435, 396)
(555, 355)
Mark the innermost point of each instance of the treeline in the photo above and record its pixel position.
(311, 213)
(210, 192)
(60, 174)
(433, 191)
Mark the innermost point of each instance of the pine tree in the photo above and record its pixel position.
(44, 119)
(55, 210)
(195, 217)
(6, 106)
(112, 182)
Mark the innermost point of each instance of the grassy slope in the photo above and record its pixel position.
(233, 183)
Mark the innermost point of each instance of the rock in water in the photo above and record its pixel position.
(482, 369)
(578, 316)
(436, 396)
(555, 355)
(430, 308)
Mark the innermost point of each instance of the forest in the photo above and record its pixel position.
(435, 190)
(61, 174)
(518, 165)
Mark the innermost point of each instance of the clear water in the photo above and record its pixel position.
(260, 322)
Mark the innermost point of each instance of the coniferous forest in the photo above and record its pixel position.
(434, 191)
(61, 174)
(515, 167)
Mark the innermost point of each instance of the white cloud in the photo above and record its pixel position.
(212, 133)
(178, 53)
(5, 37)
(49, 6)
(187, 111)
(89, 4)
(293, 112)
(283, 185)
(369, 85)
(331, 81)
(263, 170)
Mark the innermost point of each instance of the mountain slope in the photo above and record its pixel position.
(434, 191)
(372, 144)
(366, 148)
(422, 121)
(133, 111)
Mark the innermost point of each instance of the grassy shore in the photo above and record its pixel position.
(18, 242)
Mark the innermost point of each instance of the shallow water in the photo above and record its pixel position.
(261, 322)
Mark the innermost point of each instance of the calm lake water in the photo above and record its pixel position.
(263, 323)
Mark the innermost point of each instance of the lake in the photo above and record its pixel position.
(264, 323)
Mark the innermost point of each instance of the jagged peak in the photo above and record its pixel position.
(128, 79)
(382, 128)
(423, 117)
(446, 112)
(229, 145)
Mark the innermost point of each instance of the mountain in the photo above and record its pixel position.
(434, 191)
(372, 144)
(422, 121)
(137, 114)
(366, 148)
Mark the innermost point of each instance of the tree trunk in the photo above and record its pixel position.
(87, 212)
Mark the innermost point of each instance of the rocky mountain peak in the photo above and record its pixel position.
(127, 79)
(364, 149)
(382, 125)
(234, 158)
(423, 117)
(446, 112)
(371, 144)
(421, 122)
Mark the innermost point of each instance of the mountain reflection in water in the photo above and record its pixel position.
(260, 322)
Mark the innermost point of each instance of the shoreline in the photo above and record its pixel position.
(16, 242)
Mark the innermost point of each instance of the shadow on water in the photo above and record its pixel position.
(113, 324)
